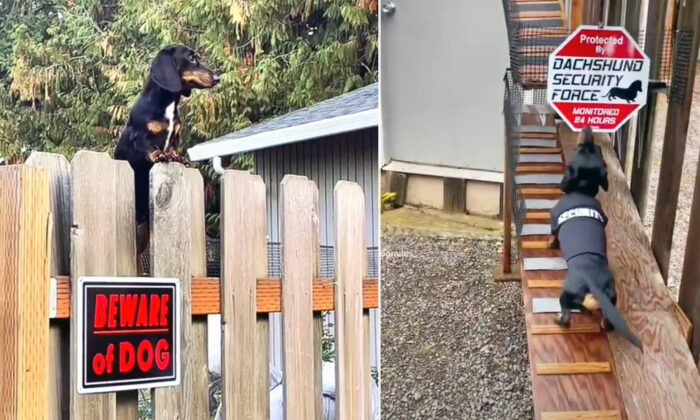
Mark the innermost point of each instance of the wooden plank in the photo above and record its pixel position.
(541, 192)
(171, 241)
(540, 150)
(352, 384)
(24, 268)
(125, 253)
(658, 383)
(573, 329)
(198, 267)
(675, 137)
(550, 168)
(298, 202)
(93, 253)
(244, 258)
(572, 368)
(582, 415)
(545, 284)
(58, 170)
(454, 195)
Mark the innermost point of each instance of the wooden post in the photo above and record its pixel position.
(93, 253)
(244, 341)
(299, 204)
(352, 380)
(58, 170)
(127, 401)
(689, 294)
(24, 301)
(685, 58)
(171, 241)
(198, 268)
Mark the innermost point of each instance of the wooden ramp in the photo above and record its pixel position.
(582, 372)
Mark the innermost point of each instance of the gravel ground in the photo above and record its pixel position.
(685, 198)
(453, 340)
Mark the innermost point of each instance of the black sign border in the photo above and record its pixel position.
(171, 380)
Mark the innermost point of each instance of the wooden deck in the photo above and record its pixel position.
(583, 372)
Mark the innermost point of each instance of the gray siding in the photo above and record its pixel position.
(441, 69)
(348, 157)
(351, 156)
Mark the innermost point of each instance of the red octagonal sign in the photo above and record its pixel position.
(598, 77)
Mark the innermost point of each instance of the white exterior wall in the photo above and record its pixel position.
(441, 91)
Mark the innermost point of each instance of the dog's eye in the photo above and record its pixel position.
(192, 59)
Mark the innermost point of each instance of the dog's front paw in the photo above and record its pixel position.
(552, 243)
(606, 325)
(563, 320)
(155, 156)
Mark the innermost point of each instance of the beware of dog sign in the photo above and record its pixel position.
(128, 333)
(597, 77)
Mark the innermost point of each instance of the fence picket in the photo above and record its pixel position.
(93, 251)
(24, 269)
(58, 170)
(243, 260)
(352, 398)
(198, 268)
(299, 232)
(170, 257)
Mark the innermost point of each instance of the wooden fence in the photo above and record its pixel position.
(64, 220)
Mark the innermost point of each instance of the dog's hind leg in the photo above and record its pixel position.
(566, 302)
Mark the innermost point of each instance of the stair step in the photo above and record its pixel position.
(531, 192)
(529, 244)
(544, 263)
(540, 150)
(538, 14)
(537, 129)
(537, 143)
(545, 284)
(588, 328)
(539, 158)
(547, 168)
(581, 415)
(538, 179)
(539, 204)
(572, 368)
(538, 6)
(535, 229)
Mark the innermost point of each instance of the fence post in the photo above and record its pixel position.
(198, 268)
(170, 257)
(299, 232)
(352, 378)
(24, 292)
(58, 170)
(93, 253)
(244, 341)
(127, 401)
(680, 98)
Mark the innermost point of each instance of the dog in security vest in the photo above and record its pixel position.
(578, 228)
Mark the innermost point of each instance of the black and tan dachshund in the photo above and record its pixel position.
(578, 228)
(628, 94)
(152, 133)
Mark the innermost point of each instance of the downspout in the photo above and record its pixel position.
(216, 164)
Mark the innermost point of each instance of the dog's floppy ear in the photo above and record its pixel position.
(164, 73)
(604, 177)
(568, 182)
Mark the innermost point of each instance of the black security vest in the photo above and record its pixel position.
(579, 222)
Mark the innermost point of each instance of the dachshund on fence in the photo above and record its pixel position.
(629, 94)
(578, 228)
(152, 133)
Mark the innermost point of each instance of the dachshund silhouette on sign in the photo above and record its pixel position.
(629, 94)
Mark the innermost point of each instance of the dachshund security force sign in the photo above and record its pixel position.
(598, 77)
(128, 333)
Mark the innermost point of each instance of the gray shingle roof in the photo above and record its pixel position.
(358, 100)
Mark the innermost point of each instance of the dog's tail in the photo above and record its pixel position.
(614, 316)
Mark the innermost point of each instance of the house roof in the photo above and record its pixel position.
(348, 112)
